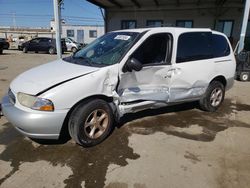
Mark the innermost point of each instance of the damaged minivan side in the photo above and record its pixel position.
(121, 72)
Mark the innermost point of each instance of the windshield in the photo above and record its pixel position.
(71, 40)
(106, 50)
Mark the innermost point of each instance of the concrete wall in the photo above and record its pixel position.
(29, 35)
(14, 35)
(86, 29)
(202, 18)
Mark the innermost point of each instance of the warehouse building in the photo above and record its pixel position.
(80, 33)
(221, 15)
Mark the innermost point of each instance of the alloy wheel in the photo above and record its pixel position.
(96, 123)
(216, 97)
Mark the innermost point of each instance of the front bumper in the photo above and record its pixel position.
(35, 124)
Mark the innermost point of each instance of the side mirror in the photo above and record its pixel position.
(133, 64)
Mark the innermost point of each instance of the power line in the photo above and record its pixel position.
(25, 2)
(49, 15)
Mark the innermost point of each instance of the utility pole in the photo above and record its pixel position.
(14, 19)
(57, 5)
(244, 26)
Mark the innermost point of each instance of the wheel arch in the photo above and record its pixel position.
(73, 47)
(221, 79)
(64, 133)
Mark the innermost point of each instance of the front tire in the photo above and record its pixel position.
(213, 97)
(91, 122)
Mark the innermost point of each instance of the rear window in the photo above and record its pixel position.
(194, 46)
(220, 46)
(44, 40)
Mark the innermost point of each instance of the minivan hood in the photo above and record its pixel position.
(45, 76)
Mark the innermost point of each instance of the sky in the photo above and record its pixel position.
(38, 13)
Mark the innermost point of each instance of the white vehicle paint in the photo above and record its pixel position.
(67, 89)
(72, 46)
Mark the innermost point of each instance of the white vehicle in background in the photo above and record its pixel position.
(72, 46)
(121, 72)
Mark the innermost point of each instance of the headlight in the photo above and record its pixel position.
(34, 102)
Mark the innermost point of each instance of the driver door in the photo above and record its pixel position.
(33, 45)
(151, 83)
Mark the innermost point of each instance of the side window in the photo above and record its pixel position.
(92, 34)
(220, 46)
(44, 40)
(184, 23)
(194, 46)
(34, 41)
(70, 33)
(154, 23)
(128, 24)
(153, 49)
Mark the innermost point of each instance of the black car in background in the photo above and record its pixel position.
(1, 48)
(5, 43)
(42, 44)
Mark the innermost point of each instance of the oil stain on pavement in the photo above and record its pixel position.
(90, 164)
(185, 117)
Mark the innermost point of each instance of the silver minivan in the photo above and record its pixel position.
(121, 72)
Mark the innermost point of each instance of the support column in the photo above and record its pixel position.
(244, 26)
(58, 28)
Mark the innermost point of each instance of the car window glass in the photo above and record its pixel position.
(220, 46)
(194, 46)
(34, 41)
(153, 50)
(108, 49)
(44, 40)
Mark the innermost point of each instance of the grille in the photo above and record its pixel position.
(11, 97)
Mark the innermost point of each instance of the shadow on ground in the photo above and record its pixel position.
(181, 117)
(4, 53)
(90, 165)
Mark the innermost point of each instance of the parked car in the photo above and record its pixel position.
(20, 41)
(121, 72)
(72, 45)
(42, 44)
(1, 48)
(5, 43)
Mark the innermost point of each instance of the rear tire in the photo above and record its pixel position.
(91, 122)
(74, 50)
(244, 76)
(1, 51)
(51, 50)
(213, 97)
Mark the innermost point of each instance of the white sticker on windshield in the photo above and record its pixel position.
(122, 37)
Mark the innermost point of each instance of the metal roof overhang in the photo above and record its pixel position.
(161, 4)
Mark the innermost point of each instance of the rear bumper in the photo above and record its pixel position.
(35, 124)
(230, 83)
